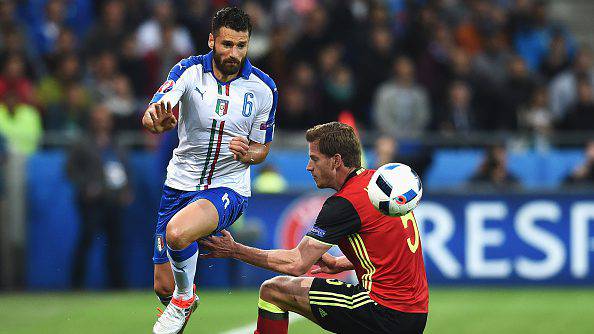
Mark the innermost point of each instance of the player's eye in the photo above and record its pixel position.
(227, 44)
(241, 45)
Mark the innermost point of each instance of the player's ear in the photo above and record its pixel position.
(211, 41)
(336, 161)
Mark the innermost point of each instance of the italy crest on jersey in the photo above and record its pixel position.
(222, 106)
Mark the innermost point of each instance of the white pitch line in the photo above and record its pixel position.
(250, 328)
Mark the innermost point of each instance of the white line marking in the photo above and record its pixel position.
(250, 328)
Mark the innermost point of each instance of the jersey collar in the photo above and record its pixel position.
(246, 70)
(352, 174)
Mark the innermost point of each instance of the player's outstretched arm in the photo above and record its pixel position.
(159, 117)
(295, 262)
(329, 264)
(248, 151)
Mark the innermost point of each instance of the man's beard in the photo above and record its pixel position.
(229, 66)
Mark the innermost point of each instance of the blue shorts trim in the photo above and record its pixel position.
(230, 206)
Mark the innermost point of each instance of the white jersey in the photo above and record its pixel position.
(211, 113)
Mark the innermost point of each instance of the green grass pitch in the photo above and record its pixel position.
(485, 311)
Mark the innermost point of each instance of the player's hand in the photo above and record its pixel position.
(327, 265)
(159, 118)
(239, 146)
(219, 247)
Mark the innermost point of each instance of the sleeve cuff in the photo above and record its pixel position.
(320, 241)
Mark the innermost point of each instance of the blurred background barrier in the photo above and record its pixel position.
(481, 236)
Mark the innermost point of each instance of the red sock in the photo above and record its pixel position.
(272, 323)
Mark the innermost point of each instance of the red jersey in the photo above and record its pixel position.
(386, 251)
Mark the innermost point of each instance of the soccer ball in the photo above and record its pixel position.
(395, 189)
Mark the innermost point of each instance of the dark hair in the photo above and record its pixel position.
(337, 138)
(232, 18)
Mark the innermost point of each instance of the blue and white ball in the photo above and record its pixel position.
(395, 189)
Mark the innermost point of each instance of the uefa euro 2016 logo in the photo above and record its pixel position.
(166, 87)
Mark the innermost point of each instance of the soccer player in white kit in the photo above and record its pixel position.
(226, 124)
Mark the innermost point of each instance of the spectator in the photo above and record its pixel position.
(314, 36)
(151, 33)
(167, 57)
(520, 16)
(97, 168)
(401, 107)
(387, 150)
(581, 115)
(488, 64)
(536, 116)
(485, 18)
(65, 44)
(533, 38)
(13, 78)
(329, 58)
(377, 53)
(277, 59)
(70, 114)
(259, 39)
(137, 11)
(108, 33)
(518, 90)
(51, 88)
(563, 88)
(424, 21)
(20, 125)
(558, 58)
(104, 69)
(536, 121)
(493, 171)
(7, 16)
(53, 21)
(301, 102)
(14, 44)
(460, 68)
(122, 105)
(305, 78)
(269, 181)
(196, 18)
(339, 92)
(294, 115)
(435, 62)
(485, 92)
(584, 173)
(468, 34)
(134, 68)
(460, 117)
(162, 42)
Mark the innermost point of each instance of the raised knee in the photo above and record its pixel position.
(272, 288)
(175, 237)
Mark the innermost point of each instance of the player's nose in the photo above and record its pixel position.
(235, 53)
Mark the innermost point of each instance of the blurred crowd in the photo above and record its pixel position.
(400, 68)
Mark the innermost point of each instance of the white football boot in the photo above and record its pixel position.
(175, 317)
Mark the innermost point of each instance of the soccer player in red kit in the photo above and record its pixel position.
(392, 295)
